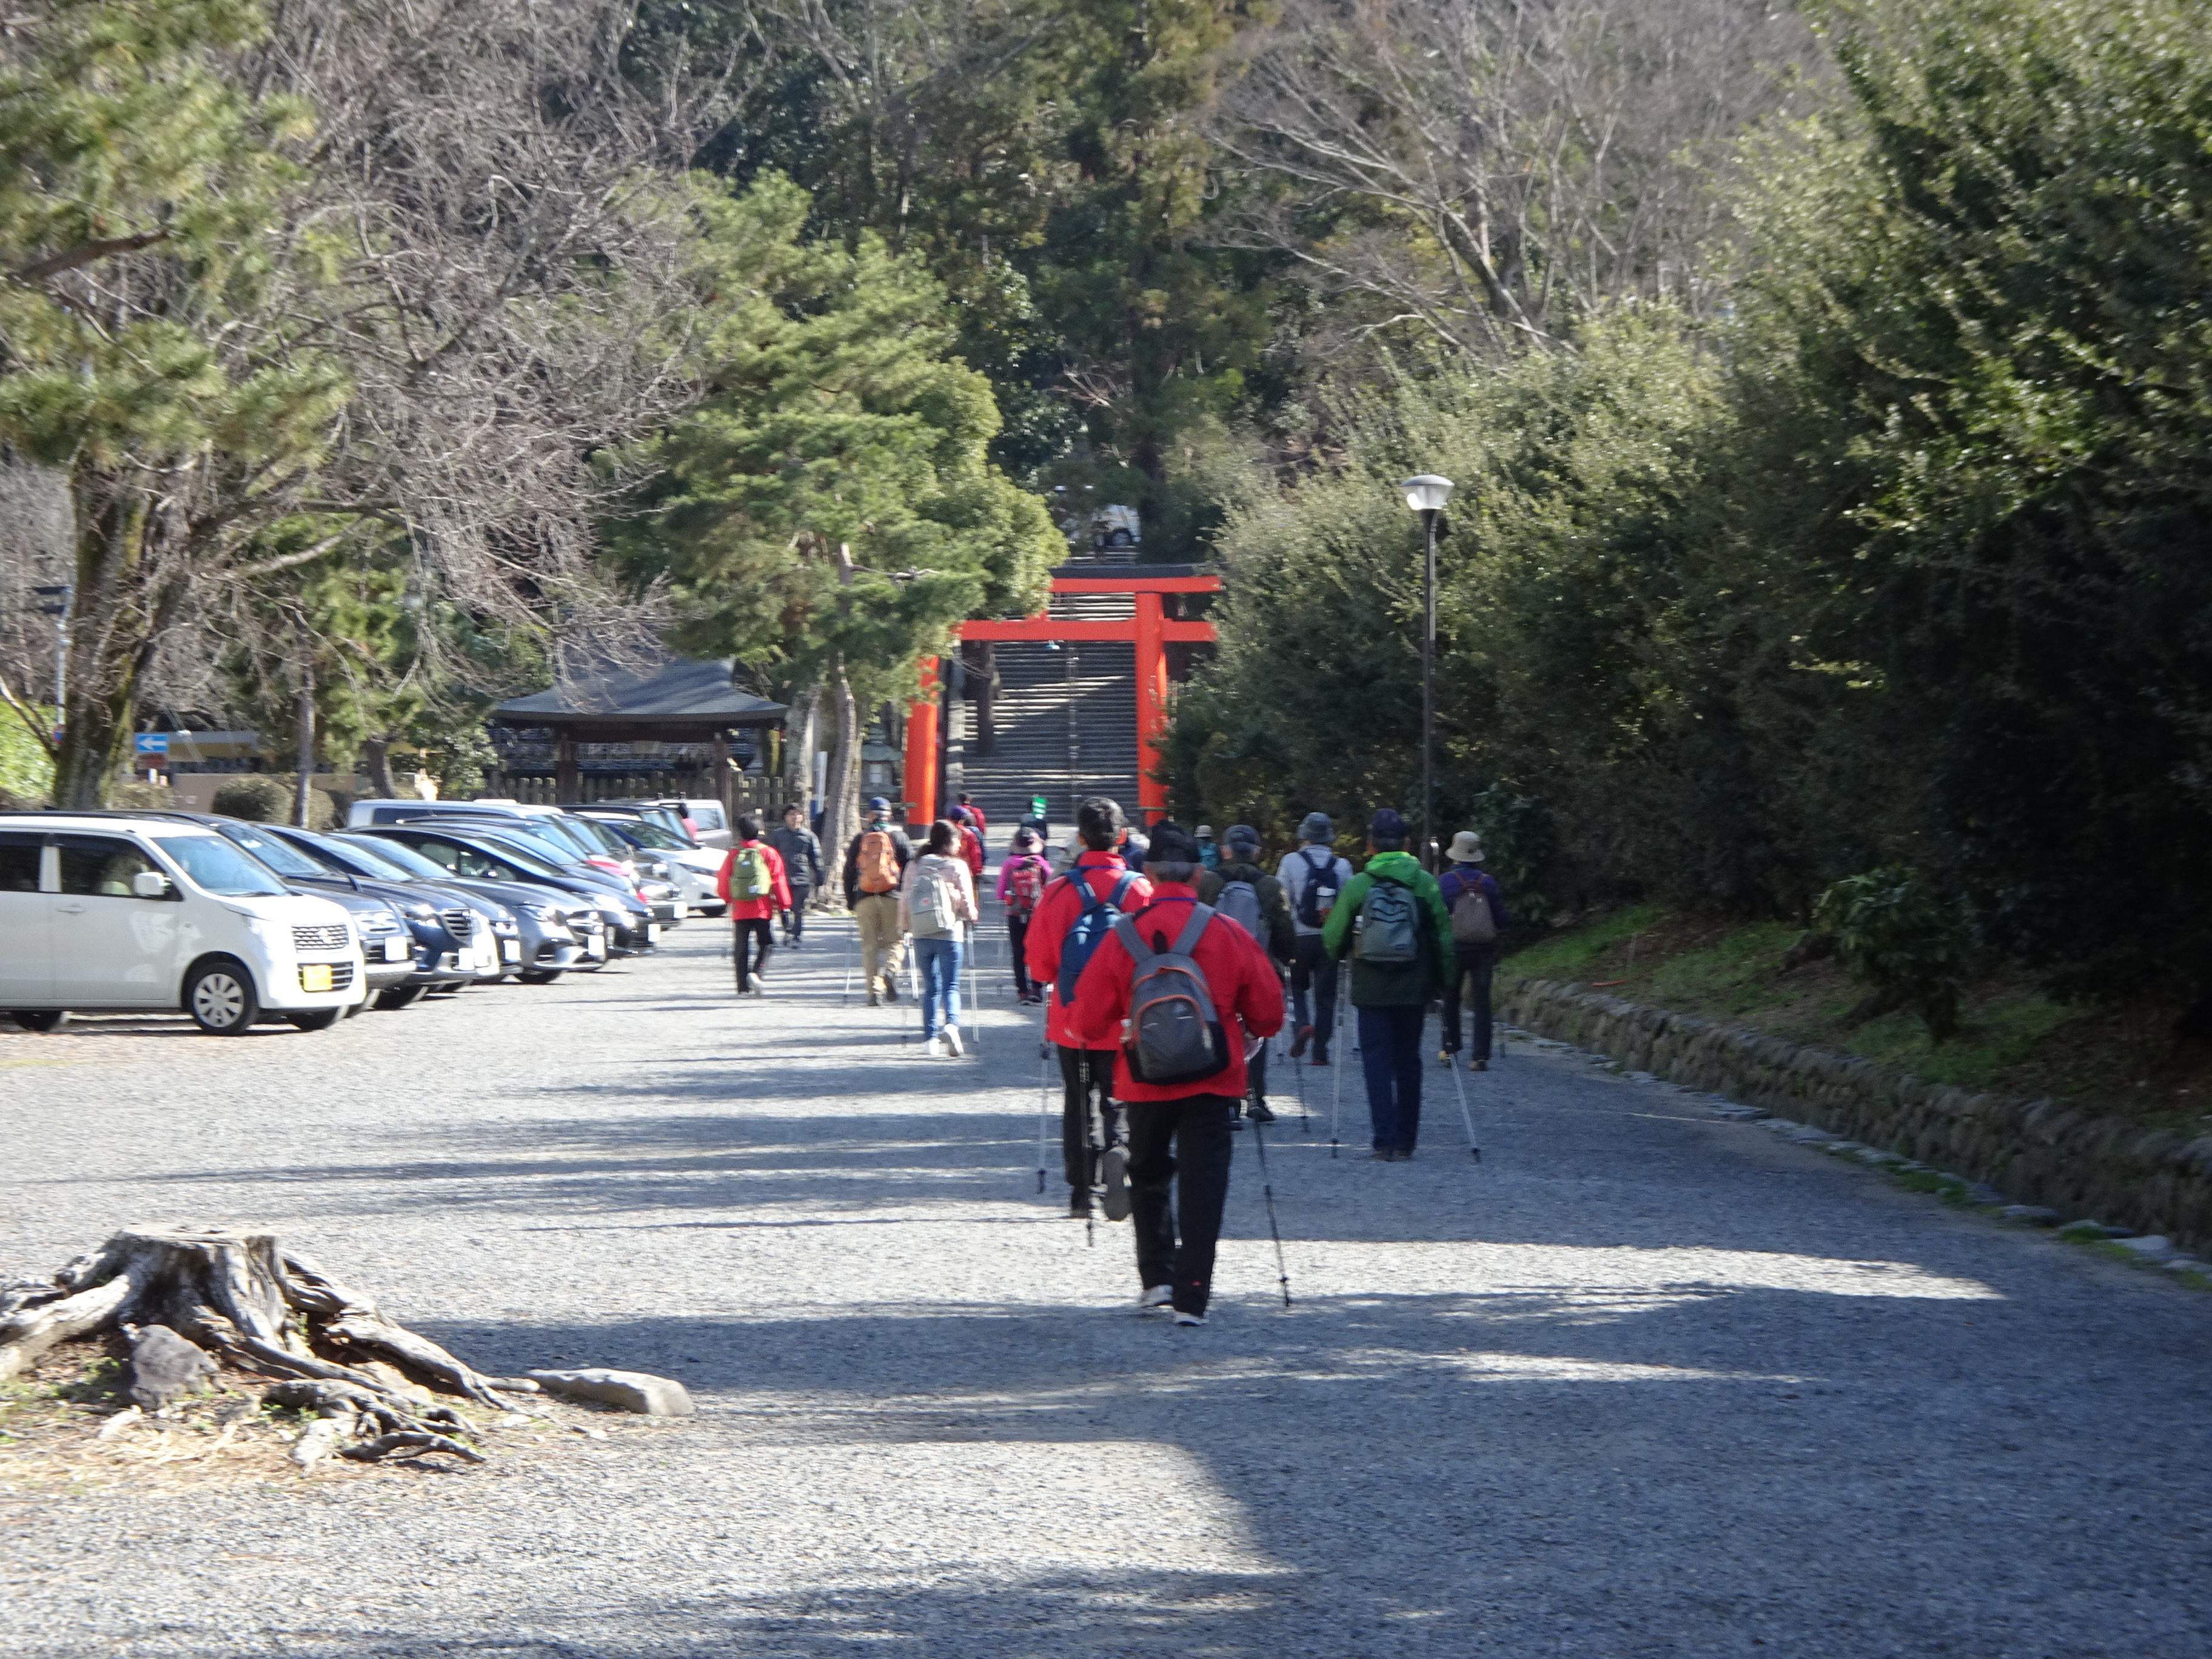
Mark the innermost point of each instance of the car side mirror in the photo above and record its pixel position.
(150, 884)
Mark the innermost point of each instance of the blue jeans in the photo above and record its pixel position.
(938, 962)
(1391, 1054)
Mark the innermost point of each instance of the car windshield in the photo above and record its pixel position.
(650, 834)
(281, 856)
(608, 839)
(523, 856)
(561, 832)
(392, 860)
(218, 867)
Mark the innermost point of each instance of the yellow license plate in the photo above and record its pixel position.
(315, 977)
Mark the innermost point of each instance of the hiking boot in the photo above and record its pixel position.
(1114, 1183)
(1382, 1155)
(874, 1001)
(1079, 1203)
(1320, 1059)
(1156, 1298)
(951, 1035)
(1259, 1112)
(890, 989)
(1478, 1065)
(1298, 1043)
(1182, 1318)
(1444, 1056)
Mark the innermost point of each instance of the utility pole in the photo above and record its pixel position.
(302, 797)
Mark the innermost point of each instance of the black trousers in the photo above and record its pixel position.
(1313, 970)
(1178, 1184)
(794, 919)
(1017, 936)
(1471, 964)
(1089, 1122)
(755, 944)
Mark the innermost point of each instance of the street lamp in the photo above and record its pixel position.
(1426, 495)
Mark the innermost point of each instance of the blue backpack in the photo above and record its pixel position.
(1092, 925)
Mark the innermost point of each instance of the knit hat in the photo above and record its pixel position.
(1387, 824)
(1244, 836)
(1316, 828)
(1172, 844)
(1466, 848)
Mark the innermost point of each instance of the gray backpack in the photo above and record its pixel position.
(1239, 900)
(1174, 1034)
(1472, 922)
(1390, 926)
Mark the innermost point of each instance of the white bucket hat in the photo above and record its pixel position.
(1466, 848)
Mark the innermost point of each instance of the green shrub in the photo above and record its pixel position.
(1901, 937)
(266, 797)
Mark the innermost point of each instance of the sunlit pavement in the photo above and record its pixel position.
(1638, 1383)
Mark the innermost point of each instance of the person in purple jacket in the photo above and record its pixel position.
(1473, 963)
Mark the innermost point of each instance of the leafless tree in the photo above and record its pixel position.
(1483, 172)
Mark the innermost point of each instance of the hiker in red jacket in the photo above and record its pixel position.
(1179, 1133)
(1088, 1122)
(754, 884)
(971, 844)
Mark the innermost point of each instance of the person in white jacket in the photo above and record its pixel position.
(937, 905)
(1312, 876)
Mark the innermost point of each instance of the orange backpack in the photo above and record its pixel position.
(879, 862)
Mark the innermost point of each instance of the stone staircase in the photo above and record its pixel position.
(1064, 720)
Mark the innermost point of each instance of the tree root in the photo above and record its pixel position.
(264, 1310)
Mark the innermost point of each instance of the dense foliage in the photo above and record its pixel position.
(1901, 560)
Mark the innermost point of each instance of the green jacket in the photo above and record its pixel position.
(1391, 987)
(1274, 909)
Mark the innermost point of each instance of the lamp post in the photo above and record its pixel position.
(1426, 495)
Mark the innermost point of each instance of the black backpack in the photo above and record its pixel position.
(1317, 892)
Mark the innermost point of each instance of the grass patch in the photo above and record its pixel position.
(2012, 1039)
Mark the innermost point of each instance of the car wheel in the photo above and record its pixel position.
(39, 1019)
(320, 1019)
(220, 998)
(539, 976)
(397, 997)
(1120, 538)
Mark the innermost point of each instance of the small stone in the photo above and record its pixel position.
(632, 1391)
(2183, 1264)
(1735, 1113)
(2033, 1215)
(163, 1365)
(1806, 1135)
(1781, 1126)
(1642, 1077)
(2155, 1247)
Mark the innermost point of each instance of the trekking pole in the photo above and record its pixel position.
(1044, 1107)
(852, 941)
(1267, 1191)
(1336, 1069)
(1466, 1116)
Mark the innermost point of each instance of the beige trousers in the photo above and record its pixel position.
(883, 946)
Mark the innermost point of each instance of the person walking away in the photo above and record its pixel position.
(800, 849)
(752, 883)
(1391, 919)
(937, 904)
(975, 814)
(1470, 894)
(1134, 846)
(1312, 876)
(1078, 910)
(1240, 890)
(875, 865)
(970, 846)
(1179, 1078)
(1209, 855)
(1022, 881)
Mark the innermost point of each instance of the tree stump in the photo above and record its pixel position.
(248, 1304)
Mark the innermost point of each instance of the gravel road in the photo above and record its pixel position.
(1642, 1382)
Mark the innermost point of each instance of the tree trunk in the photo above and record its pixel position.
(246, 1301)
(841, 804)
(376, 754)
(800, 744)
(118, 612)
(303, 791)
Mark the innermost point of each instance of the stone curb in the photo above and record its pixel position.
(2035, 1153)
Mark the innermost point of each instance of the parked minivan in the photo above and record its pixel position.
(104, 915)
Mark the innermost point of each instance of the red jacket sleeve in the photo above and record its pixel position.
(722, 876)
(1102, 996)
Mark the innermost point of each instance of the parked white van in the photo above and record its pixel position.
(107, 915)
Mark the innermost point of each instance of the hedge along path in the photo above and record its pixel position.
(2033, 1152)
(241, 1299)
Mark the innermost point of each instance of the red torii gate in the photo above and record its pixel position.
(1150, 630)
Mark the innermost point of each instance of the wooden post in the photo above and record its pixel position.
(1151, 709)
(568, 779)
(918, 769)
